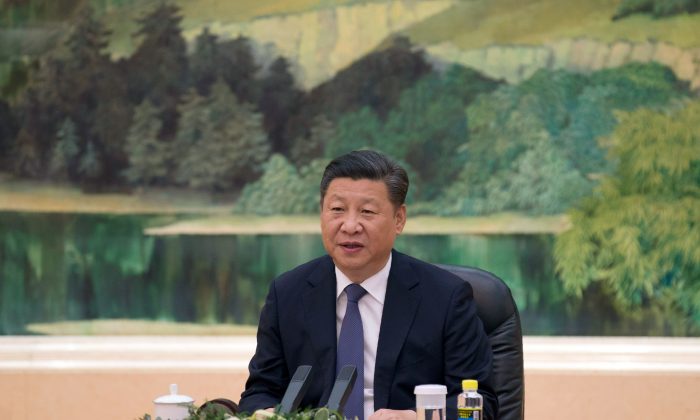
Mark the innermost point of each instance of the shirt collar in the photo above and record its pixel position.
(375, 285)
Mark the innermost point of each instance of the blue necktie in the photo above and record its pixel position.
(351, 351)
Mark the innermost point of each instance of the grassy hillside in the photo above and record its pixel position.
(35, 12)
(38, 23)
(198, 13)
(476, 23)
(242, 10)
(468, 24)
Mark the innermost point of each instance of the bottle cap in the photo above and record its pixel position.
(470, 384)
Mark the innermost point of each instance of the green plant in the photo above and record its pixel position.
(212, 413)
(637, 233)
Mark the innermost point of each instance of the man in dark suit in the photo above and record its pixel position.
(404, 321)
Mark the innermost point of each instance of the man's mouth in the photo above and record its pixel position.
(351, 246)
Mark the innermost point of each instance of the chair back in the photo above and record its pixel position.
(499, 314)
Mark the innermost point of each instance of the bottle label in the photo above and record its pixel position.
(469, 414)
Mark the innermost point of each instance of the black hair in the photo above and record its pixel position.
(368, 164)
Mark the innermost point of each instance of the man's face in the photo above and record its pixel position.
(359, 225)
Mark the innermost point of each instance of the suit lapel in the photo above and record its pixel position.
(319, 318)
(400, 305)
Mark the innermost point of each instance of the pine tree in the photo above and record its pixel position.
(76, 81)
(205, 62)
(355, 130)
(275, 192)
(639, 234)
(148, 156)
(194, 122)
(30, 144)
(90, 167)
(87, 41)
(278, 100)
(222, 144)
(308, 149)
(93, 94)
(158, 69)
(65, 151)
(239, 69)
(282, 189)
(8, 131)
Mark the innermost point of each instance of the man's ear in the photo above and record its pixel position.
(400, 218)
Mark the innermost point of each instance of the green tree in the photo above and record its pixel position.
(88, 40)
(92, 93)
(551, 96)
(540, 181)
(502, 126)
(85, 64)
(282, 189)
(8, 132)
(557, 109)
(65, 151)
(222, 144)
(648, 84)
(204, 62)
(355, 130)
(638, 235)
(35, 119)
(578, 141)
(426, 131)
(375, 81)
(279, 98)
(308, 149)
(89, 167)
(52, 93)
(15, 80)
(657, 8)
(158, 69)
(238, 68)
(149, 156)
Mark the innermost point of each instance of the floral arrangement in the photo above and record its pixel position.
(213, 412)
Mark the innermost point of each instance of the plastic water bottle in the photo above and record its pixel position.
(470, 403)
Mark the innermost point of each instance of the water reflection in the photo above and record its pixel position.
(73, 267)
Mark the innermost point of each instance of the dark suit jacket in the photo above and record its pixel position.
(429, 334)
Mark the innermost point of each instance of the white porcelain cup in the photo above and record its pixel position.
(172, 406)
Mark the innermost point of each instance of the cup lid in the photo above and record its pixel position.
(173, 398)
(430, 390)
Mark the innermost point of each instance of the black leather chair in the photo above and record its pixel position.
(499, 314)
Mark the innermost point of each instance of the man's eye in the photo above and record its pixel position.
(336, 209)
(367, 211)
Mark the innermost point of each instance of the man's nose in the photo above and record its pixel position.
(351, 224)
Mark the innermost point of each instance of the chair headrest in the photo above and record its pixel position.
(494, 301)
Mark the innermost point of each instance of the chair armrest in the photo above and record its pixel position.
(507, 346)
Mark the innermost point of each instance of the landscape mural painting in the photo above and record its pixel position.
(160, 160)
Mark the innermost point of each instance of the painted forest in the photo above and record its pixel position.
(617, 149)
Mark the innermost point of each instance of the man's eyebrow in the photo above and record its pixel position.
(340, 197)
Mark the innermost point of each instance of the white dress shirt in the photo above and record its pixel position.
(371, 306)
